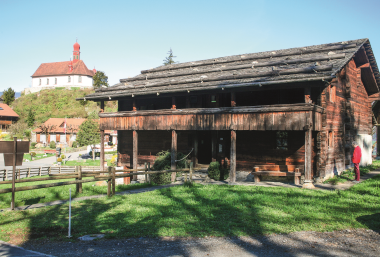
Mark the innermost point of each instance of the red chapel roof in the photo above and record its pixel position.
(62, 68)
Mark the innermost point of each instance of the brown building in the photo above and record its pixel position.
(7, 116)
(300, 106)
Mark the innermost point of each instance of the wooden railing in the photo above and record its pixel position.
(79, 172)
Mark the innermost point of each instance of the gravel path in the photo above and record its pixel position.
(357, 242)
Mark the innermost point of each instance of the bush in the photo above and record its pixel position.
(52, 145)
(75, 144)
(59, 159)
(214, 171)
(33, 154)
(33, 145)
(63, 156)
(163, 162)
(113, 160)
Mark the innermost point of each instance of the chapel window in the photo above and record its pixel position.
(55, 81)
(69, 79)
(80, 79)
(40, 82)
(47, 81)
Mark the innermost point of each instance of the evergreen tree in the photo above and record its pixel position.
(169, 60)
(30, 120)
(89, 134)
(100, 79)
(9, 96)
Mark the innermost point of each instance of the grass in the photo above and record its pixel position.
(196, 211)
(349, 175)
(45, 195)
(38, 156)
(87, 162)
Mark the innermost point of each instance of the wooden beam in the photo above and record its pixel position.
(233, 157)
(233, 99)
(102, 150)
(195, 143)
(173, 165)
(308, 183)
(135, 152)
(101, 106)
(173, 103)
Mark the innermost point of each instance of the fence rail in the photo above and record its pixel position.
(77, 173)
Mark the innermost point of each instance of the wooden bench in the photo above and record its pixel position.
(278, 171)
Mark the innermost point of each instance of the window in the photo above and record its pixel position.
(47, 81)
(40, 82)
(282, 140)
(331, 139)
(69, 79)
(80, 79)
(55, 81)
(332, 94)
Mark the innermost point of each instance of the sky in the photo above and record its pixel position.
(121, 38)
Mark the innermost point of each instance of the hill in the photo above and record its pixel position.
(57, 103)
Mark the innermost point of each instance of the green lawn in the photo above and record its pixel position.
(38, 156)
(198, 211)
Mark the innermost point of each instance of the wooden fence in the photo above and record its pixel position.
(79, 172)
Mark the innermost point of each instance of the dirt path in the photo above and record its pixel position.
(358, 242)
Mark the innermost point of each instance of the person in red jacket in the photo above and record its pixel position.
(356, 156)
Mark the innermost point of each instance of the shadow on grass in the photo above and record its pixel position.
(223, 211)
(371, 221)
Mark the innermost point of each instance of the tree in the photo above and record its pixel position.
(89, 134)
(169, 60)
(9, 96)
(100, 79)
(30, 119)
(46, 129)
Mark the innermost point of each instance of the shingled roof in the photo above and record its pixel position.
(62, 68)
(318, 62)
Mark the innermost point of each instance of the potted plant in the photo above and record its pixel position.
(59, 160)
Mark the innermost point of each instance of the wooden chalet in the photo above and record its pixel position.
(300, 106)
(7, 116)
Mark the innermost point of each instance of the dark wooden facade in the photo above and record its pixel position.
(300, 106)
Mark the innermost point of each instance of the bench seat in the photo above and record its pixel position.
(278, 171)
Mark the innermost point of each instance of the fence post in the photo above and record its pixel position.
(109, 183)
(113, 181)
(28, 173)
(185, 172)
(59, 170)
(191, 172)
(49, 170)
(149, 174)
(146, 175)
(6, 174)
(79, 185)
(18, 173)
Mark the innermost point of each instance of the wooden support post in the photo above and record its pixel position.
(79, 186)
(6, 174)
(14, 173)
(134, 105)
(214, 142)
(308, 183)
(101, 106)
(28, 173)
(113, 181)
(173, 165)
(135, 152)
(296, 178)
(233, 99)
(109, 182)
(59, 170)
(146, 169)
(195, 157)
(49, 170)
(173, 103)
(307, 95)
(233, 158)
(191, 172)
(102, 150)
